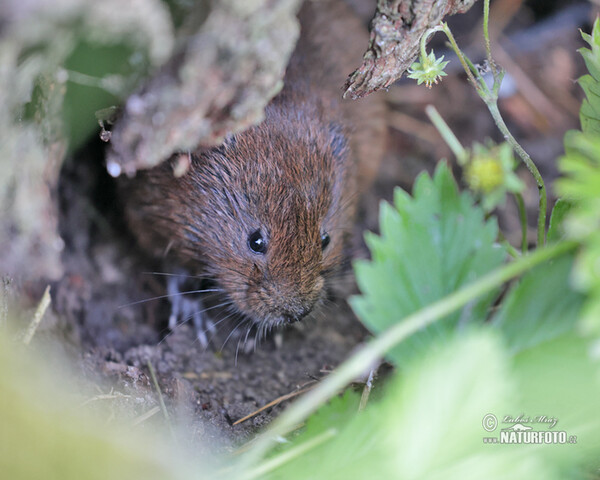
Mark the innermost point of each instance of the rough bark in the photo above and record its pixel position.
(218, 83)
(396, 31)
(36, 39)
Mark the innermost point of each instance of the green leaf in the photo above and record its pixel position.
(333, 415)
(559, 212)
(541, 307)
(429, 424)
(430, 245)
(590, 109)
(581, 185)
(338, 411)
(560, 379)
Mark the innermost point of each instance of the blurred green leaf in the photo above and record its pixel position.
(336, 413)
(540, 307)
(560, 378)
(429, 423)
(430, 245)
(559, 213)
(48, 432)
(580, 184)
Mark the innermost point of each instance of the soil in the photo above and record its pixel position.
(112, 340)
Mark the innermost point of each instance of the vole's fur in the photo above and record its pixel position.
(293, 178)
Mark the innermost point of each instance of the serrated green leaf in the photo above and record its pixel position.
(590, 109)
(431, 244)
(541, 307)
(591, 59)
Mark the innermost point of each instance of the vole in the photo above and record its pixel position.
(266, 215)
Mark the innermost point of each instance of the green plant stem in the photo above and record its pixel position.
(491, 100)
(425, 38)
(460, 55)
(512, 251)
(523, 218)
(486, 36)
(371, 352)
(447, 134)
(541, 227)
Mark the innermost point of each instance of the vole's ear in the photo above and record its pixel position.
(339, 141)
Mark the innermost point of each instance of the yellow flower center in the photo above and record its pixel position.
(484, 174)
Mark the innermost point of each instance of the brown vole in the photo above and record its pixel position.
(266, 214)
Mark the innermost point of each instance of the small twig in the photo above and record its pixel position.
(272, 403)
(364, 398)
(161, 400)
(37, 317)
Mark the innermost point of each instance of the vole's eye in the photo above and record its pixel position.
(257, 243)
(325, 240)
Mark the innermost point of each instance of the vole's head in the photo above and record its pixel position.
(276, 208)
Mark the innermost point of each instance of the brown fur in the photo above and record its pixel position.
(293, 177)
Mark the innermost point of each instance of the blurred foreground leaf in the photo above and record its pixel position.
(540, 307)
(429, 423)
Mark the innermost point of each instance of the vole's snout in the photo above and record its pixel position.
(292, 302)
(293, 315)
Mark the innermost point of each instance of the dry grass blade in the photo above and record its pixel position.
(142, 418)
(272, 403)
(37, 317)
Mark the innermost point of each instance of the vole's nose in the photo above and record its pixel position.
(297, 314)
(291, 302)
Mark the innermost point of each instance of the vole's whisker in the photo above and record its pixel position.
(230, 334)
(168, 295)
(189, 317)
(248, 330)
(169, 332)
(246, 337)
(182, 275)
